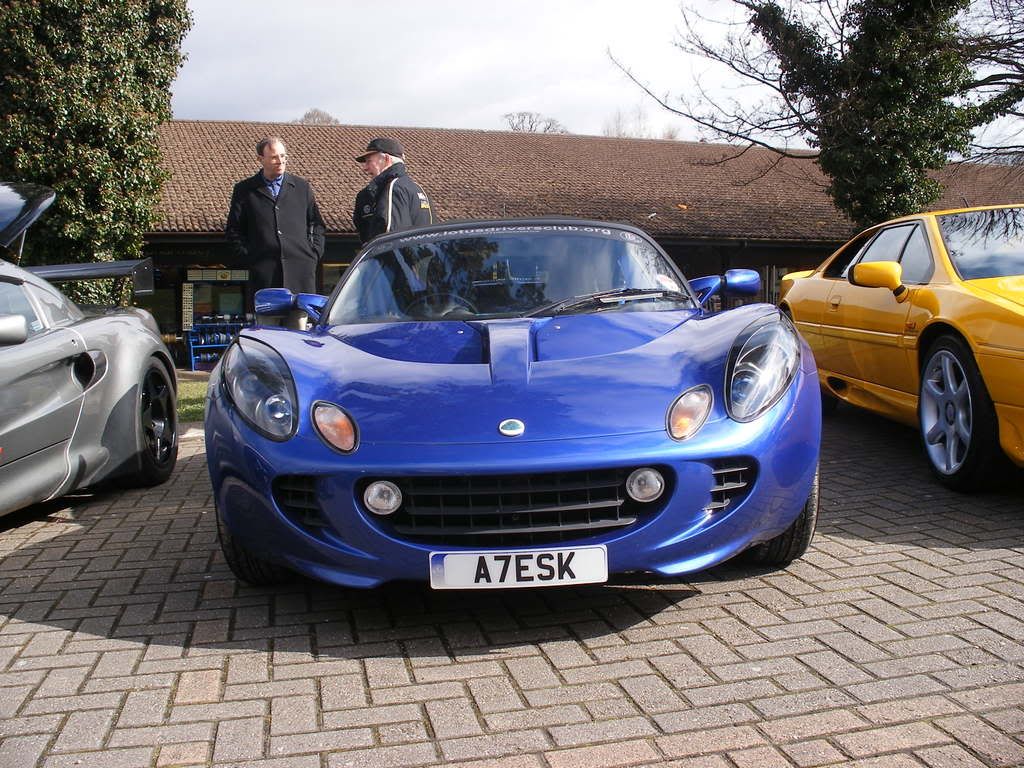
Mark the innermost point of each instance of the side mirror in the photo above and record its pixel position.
(280, 302)
(742, 282)
(274, 301)
(312, 304)
(736, 282)
(880, 274)
(13, 330)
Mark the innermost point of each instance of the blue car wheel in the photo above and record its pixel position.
(247, 566)
(794, 541)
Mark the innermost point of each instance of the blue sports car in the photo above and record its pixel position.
(513, 404)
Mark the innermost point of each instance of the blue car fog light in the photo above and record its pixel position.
(645, 485)
(382, 497)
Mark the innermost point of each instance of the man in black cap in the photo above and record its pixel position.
(392, 201)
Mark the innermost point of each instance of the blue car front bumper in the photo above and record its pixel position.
(347, 545)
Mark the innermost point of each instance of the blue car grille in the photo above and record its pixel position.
(496, 510)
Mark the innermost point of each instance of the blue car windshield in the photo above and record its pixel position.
(985, 243)
(517, 270)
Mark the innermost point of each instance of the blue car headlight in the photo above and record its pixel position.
(261, 388)
(763, 361)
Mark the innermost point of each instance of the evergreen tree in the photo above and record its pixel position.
(83, 86)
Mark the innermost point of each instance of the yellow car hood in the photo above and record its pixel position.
(1009, 288)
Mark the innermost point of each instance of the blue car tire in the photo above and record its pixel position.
(794, 541)
(245, 565)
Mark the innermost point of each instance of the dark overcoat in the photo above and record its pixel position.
(279, 241)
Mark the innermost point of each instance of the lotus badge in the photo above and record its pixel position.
(511, 427)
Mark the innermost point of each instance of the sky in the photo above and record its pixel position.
(434, 63)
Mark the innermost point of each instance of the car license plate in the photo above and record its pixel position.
(518, 568)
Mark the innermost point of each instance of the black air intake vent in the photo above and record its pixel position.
(734, 478)
(516, 510)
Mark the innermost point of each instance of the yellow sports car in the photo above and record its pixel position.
(921, 319)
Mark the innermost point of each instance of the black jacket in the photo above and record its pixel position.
(278, 241)
(390, 203)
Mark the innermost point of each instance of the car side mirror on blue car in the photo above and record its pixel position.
(278, 302)
(735, 282)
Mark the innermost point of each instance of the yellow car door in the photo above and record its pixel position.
(869, 326)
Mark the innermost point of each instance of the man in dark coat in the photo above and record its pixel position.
(274, 225)
(392, 201)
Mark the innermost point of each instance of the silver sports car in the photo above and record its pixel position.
(86, 396)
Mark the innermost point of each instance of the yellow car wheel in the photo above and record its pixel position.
(957, 419)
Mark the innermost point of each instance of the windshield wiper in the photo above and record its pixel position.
(598, 298)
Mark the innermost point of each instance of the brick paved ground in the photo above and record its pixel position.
(898, 641)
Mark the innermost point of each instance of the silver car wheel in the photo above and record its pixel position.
(946, 412)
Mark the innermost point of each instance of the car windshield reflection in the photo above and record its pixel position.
(498, 272)
(985, 243)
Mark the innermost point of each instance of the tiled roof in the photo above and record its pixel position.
(669, 188)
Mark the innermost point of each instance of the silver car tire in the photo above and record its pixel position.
(156, 416)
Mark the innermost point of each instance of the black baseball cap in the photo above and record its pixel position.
(387, 146)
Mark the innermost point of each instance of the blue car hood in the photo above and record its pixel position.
(574, 376)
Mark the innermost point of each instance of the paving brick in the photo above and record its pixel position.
(1007, 720)
(759, 757)
(572, 694)
(896, 688)
(799, 703)
(731, 692)
(534, 673)
(20, 726)
(108, 758)
(652, 694)
(23, 750)
(802, 727)
(65, 704)
(417, 693)
(384, 757)
(342, 692)
(163, 734)
(493, 745)
(175, 755)
(813, 753)
(907, 710)
(370, 716)
(293, 714)
(952, 756)
(318, 741)
(495, 694)
(198, 687)
(994, 747)
(623, 753)
(226, 710)
(605, 730)
(84, 730)
(896, 738)
(710, 742)
(452, 717)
